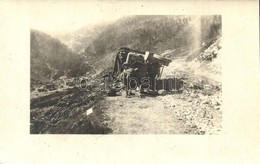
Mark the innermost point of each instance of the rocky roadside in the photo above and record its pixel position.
(198, 108)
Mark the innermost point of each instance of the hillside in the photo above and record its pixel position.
(202, 62)
(51, 59)
(175, 34)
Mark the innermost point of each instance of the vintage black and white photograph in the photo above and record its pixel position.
(133, 81)
(133, 74)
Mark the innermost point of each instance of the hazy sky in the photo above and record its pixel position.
(63, 16)
(55, 18)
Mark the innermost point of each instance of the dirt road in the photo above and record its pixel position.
(189, 113)
(149, 115)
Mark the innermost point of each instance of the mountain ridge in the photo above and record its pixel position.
(50, 59)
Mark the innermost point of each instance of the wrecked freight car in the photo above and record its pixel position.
(140, 71)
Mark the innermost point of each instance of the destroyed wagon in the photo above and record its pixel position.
(140, 71)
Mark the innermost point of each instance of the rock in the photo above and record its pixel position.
(204, 114)
(215, 52)
(215, 103)
(205, 102)
(185, 92)
(218, 88)
(201, 132)
(196, 102)
(198, 86)
(162, 92)
(194, 95)
(194, 126)
(194, 92)
(207, 87)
